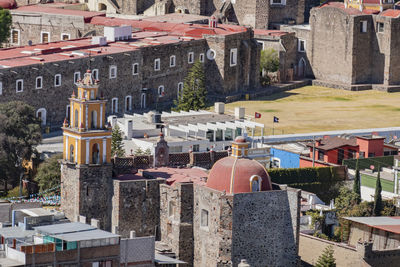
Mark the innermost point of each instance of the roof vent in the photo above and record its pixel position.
(213, 22)
(118, 33)
(99, 40)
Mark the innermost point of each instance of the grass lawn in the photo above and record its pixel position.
(370, 181)
(313, 108)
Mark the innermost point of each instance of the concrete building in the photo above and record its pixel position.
(333, 150)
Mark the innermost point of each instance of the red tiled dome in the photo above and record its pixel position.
(221, 175)
(240, 139)
(8, 4)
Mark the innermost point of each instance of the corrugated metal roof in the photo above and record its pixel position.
(389, 224)
(64, 228)
(85, 235)
(15, 232)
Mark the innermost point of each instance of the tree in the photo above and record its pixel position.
(357, 183)
(378, 207)
(326, 259)
(5, 25)
(269, 60)
(20, 132)
(49, 173)
(194, 93)
(117, 148)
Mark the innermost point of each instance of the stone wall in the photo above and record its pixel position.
(136, 206)
(312, 247)
(212, 243)
(261, 221)
(176, 217)
(221, 78)
(87, 190)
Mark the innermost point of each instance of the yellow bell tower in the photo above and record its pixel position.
(87, 138)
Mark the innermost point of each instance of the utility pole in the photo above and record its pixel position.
(313, 152)
(396, 176)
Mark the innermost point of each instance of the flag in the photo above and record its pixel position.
(257, 115)
(276, 119)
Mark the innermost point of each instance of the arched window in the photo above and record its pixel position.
(42, 114)
(95, 154)
(76, 118)
(94, 120)
(255, 183)
(161, 91)
(301, 68)
(180, 89)
(114, 105)
(71, 153)
(128, 103)
(143, 100)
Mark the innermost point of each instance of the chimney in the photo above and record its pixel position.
(128, 129)
(95, 223)
(81, 219)
(132, 234)
(219, 107)
(239, 113)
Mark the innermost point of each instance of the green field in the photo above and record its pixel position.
(312, 108)
(370, 181)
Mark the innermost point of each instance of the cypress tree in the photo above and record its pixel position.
(357, 184)
(117, 147)
(378, 205)
(326, 259)
(194, 93)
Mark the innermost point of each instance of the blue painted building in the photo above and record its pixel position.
(287, 155)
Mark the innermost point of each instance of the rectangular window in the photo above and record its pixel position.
(135, 69)
(196, 148)
(278, 2)
(65, 36)
(233, 60)
(15, 37)
(363, 26)
(201, 57)
(44, 37)
(301, 45)
(95, 74)
(57, 80)
(321, 155)
(204, 218)
(19, 85)
(114, 105)
(157, 64)
(113, 72)
(39, 82)
(190, 57)
(77, 76)
(172, 60)
(380, 26)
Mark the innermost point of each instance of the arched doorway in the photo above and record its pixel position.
(302, 68)
(94, 120)
(95, 154)
(128, 103)
(42, 114)
(143, 100)
(102, 7)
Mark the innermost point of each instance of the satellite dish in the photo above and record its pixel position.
(30, 42)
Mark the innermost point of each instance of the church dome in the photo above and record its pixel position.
(8, 4)
(238, 174)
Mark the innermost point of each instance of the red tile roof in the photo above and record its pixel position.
(175, 175)
(195, 30)
(87, 15)
(80, 48)
(394, 13)
(349, 10)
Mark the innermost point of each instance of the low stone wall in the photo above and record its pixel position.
(312, 247)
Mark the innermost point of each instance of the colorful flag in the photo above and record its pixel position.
(276, 119)
(257, 115)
